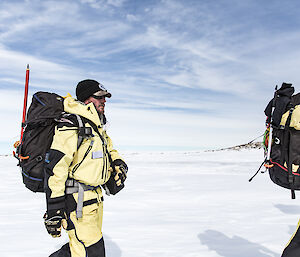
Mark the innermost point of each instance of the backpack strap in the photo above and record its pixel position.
(78, 187)
(94, 126)
(286, 153)
(80, 136)
(73, 186)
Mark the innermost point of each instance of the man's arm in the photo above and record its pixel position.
(58, 160)
(118, 170)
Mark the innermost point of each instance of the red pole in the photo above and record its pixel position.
(25, 101)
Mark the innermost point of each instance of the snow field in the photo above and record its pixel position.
(191, 204)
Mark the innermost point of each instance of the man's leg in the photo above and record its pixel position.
(97, 249)
(85, 233)
(293, 247)
(62, 252)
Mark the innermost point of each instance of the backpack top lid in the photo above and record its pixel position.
(286, 90)
(283, 98)
(44, 106)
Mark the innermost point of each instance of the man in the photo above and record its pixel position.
(293, 247)
(81, 158)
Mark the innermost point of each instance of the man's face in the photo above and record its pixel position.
(98, 101)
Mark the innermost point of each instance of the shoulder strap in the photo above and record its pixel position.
(83, 131)
(286, 153)
(95, 128)
(80, 126)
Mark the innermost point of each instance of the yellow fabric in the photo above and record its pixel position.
(94, 167)
(94, 170)
(68, 95)
(88, 229)
(295, 119)
(86, 110)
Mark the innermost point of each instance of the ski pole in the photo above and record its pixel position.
(271, 127)
(25, 102)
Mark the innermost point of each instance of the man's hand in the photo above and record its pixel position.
(120, 174)
(53, 221)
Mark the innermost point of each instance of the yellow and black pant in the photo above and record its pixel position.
(293, 247)
(85, 234)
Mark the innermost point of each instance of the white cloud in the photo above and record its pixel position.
(45, 74)
(166, 55)
(103, 4)
(132, 18)
(116, 3)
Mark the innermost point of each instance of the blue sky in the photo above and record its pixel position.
(184, 75)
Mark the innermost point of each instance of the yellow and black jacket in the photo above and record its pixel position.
(89, 164)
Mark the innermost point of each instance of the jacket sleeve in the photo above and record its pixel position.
(113, 152)
(58, 160)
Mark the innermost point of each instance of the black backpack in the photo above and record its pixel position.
(283, 117)
(43, 115)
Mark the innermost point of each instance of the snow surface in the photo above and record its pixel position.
(175, 204)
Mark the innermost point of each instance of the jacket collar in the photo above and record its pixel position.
(88, 111)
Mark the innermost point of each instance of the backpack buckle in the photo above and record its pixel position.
(85, 132)
(38, 159)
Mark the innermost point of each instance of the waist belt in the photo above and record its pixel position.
(73, 186)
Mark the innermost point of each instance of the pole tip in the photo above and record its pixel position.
(27, 66)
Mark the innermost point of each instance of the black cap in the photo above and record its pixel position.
(89, 87)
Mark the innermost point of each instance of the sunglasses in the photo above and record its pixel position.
(98, 97)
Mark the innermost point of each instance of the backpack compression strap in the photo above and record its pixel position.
(80, 135)
(286, 153)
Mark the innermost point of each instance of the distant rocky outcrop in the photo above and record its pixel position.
(250, 145)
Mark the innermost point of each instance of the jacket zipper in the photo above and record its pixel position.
(104, 158)
(85, 155)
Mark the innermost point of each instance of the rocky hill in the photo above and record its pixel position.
(250, 145)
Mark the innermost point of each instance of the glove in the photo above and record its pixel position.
(53, 221)
(118, 176)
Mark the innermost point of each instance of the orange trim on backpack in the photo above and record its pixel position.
(268, 165)
(294, 173)
(23, 157)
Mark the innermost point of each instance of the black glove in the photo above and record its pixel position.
(120, 174)
(53, 220)
(117, 178)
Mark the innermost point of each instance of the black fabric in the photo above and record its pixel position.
(89, 202)
(72, 121)
(111, 183)
(52, 158)
(293, 248)
(112, 186)
(96, 250)
(295, 99)
(71, 204)
(282, 101)
(37, 138)
(64, 251)
(119, 162)
(52, 221)
(285, 151)
(88, 87)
